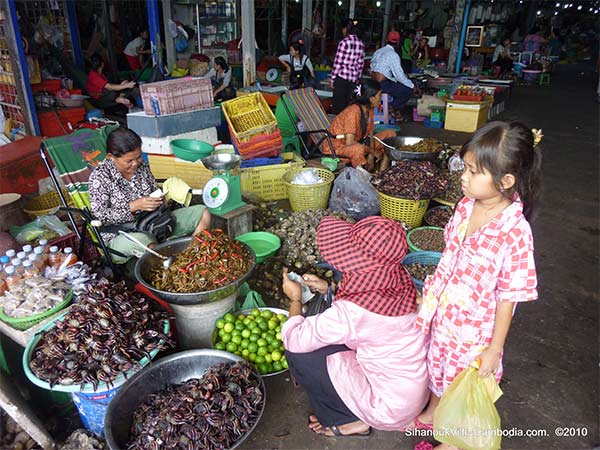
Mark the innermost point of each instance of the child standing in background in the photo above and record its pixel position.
(487, 266)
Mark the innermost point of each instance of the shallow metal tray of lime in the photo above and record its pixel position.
(395, 143)
(148, 261)
(174, 369)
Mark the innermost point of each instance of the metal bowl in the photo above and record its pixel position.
(174, 369)
(400, 141)
(168, 248)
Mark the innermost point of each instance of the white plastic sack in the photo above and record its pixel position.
(354, 194)
(307, 177)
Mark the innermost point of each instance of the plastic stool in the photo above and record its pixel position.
(290, 144)
(382, 113)
(544, 79)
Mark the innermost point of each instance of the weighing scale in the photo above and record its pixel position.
(223, 192)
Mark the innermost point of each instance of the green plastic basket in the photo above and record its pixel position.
(23, 323)
(32, 344)
(264, 244)
(412, 246)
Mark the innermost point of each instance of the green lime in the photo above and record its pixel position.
(268, 358)
(284, 363)
(236, 333)
(277, 367)
(255, 312)
(264, 334)
(276, 355)
(248, 320)
(262, 342)
(240, 317)
(226, 337)
(231, 347)
(228, 327)
(246, 333)
(278, 329)
(253, 347)
(262, 351)
(236, 340)
(281, 317)
(229, 318)
(278, 336)
(263, 325)
(263, 368)
(259, 359)
(245, 353)
(266, 314)
(256, 330)
(239, 326)
(272, 324)
(219, 346)
(245, 343)
(269, 338)
(219, 324)
(254, 337)
(252, 357)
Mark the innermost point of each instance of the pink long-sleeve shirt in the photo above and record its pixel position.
(383, 379)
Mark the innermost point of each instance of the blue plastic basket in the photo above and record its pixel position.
(255, 162)
(427, 258)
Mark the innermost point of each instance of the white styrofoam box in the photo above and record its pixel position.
(161, 145)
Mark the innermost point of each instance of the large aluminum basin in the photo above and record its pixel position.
(171, 247)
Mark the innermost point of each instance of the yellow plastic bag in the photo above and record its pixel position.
(466, 416)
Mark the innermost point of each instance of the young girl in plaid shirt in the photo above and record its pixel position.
(487, 266)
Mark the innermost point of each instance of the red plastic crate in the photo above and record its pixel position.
(261, 146)
(180, 95)
(59, 122)
(52, 86)
(21, 166)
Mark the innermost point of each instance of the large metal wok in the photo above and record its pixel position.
(148, 262)
(400, 141)
(174, 369)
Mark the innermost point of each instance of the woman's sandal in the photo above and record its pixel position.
(335, 430)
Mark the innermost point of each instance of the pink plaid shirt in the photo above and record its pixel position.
(349, 59)
(494, 263)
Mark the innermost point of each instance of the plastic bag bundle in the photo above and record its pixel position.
(466, 416)
(307, 177)
(353, 194)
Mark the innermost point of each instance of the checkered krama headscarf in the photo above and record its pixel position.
(369, 255)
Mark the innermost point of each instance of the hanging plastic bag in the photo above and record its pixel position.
(319, 303)
(466, 416)
(353, 194)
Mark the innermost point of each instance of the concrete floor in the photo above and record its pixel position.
(551, 357)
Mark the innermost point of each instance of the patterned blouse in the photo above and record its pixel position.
(349, 59)
(494, 263)
(111, 193)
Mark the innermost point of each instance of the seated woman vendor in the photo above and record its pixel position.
(220, 75)
(107, 94)
(353, 129)
(120, 189)
(361, 362)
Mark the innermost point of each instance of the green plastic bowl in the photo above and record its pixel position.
(264, 244)
(191, 149)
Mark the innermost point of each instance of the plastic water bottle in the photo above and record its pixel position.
(258, 85)
(11, 253)
(11, 277)
(27, 249)
(22, 256)
(17, 265)
(155, 104)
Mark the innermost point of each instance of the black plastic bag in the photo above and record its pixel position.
(319, 303)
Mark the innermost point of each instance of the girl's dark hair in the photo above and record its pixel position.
(221, 61)
(95, 61)
(368, 88)
(350, 25)
(508, 148)
(122, 141)
(298, 47)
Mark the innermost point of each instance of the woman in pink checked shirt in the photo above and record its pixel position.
(487, 266)
(347, 66)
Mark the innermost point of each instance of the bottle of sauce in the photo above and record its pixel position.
(18, 266)
(44, 244)
(69, 256)
(42, 256)
(11, 253)
(11, 278)
(36, 262)
(27, 249)
(22, 256)
(55, 257)
(29, 271)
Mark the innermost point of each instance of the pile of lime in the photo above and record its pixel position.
(254, 335)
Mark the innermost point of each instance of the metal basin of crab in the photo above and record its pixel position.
(194, 399)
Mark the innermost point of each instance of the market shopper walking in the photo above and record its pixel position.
(361, 361)
(347, 66)
(120, 189)
(387, 69)
(355, 126)
(487, 266)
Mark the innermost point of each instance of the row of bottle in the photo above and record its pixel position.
(31, 262)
